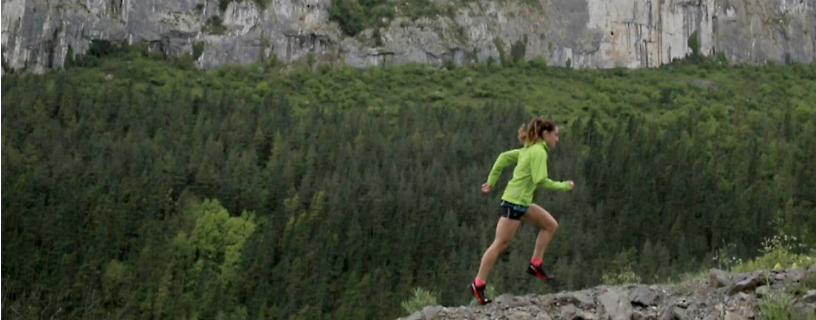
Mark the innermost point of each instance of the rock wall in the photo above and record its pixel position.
(36, 34)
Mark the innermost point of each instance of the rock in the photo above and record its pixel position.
(415, 316)
(642, 296)
(733, 316)
(680, 314)
(542, 316)
(810, 296)
(570, 312)
(519, 315)
(504, 299)
(431, 312)
(616, 306)
(749, 283)
(712, 316)
(762, 291)
(577, 298)
(806, 310)
(37, 34)
(636, 315)
(588, 316)
(743, 296)
(109, 77)
(795, 274)
(674, 312)
(718, 278)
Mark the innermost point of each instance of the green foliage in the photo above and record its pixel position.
(353, 16)
(360, 182)
(808, 282)
(350, 14)
(198, 49)
(500, 47)
(421, 298)
(777, 306)
(519, 49)
(778, 252)
(262, 3)
(621, 270)
(694, 44)
(224, 4)
(214, 25)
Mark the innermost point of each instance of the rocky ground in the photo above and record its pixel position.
(720, 295)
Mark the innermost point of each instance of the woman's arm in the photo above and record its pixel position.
(505, 159)
(540, 176)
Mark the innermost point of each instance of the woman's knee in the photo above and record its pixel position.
(501, 244)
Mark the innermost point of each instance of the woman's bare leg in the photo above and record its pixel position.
(538, 216)
(505, 230)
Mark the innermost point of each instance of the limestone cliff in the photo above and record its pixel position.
(37, 34)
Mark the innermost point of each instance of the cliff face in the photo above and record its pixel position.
(37, 34)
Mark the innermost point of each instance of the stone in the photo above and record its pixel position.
(674, 312)
(729, 315)
(806, 310)
(809, 297)
(718, 278)
(570, 312)
(588, 316)
(743, 296)
(753, 280)
(762, 291)
(504, 299)
(415, 316)
(431, 312)
(795, 274)
(542, 316)
(680, 314)
(642, 296)
(616, 305)
(578, 299)
(519, 315)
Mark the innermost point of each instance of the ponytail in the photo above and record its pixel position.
(522, 133)
(536, 129)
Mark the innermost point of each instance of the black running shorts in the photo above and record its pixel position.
(512, 211)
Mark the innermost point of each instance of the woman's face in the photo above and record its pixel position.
(521, 134)
(551, 137)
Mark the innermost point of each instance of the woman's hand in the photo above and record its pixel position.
(572, 184)
(486, 188)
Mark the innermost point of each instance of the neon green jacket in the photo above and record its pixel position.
(530, 172)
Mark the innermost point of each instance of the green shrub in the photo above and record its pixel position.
(777, 252)
(421, 298)
(776, 306)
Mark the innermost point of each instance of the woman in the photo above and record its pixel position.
(531, 171)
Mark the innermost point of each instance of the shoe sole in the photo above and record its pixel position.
(535, 272)
(475, 294)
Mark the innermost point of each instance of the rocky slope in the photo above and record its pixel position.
(37, 34)
(720, 296)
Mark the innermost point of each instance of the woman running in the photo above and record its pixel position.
(531, 171)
